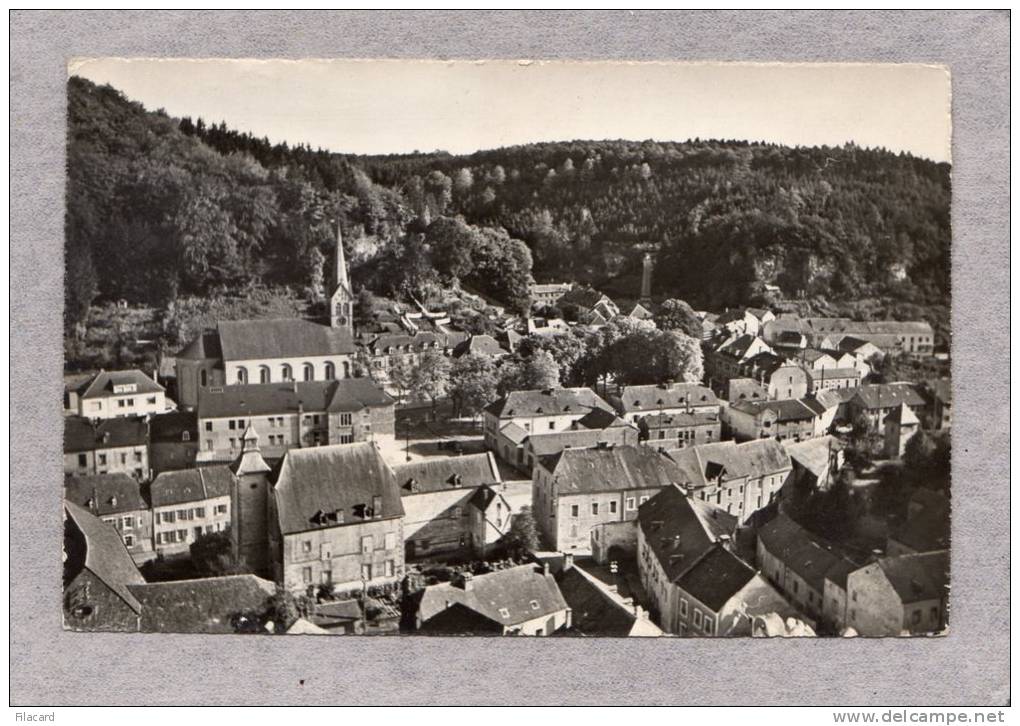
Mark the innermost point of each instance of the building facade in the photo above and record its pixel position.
(106, 446)
(116, 394)
(188, 504)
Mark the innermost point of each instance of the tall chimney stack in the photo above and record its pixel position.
(646, 277)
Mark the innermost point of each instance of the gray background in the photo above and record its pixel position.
(970, 666)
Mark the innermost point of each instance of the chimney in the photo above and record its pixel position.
(376, 507)
(545, 568)
(106, 437)
(568, 560)
(465, 581)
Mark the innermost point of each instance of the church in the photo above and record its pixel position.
(271, 351)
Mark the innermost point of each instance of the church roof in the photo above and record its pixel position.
(263, 399)
(242, 340)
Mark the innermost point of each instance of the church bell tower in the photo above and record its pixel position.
(341, 301)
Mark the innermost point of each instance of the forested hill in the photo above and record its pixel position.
(843, 223)
(159, 207)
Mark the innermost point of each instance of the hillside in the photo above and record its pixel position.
(159, 208)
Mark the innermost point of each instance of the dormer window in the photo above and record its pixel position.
(504, 613)
(534, 604)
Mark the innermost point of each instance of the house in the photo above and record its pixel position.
(481, 344)
(113, 394)
(739, 321)
(889, 336)
(438, 495)
(860, 349)
(173, 440)
(106, 446)
(815, 461)
(403, 348)
(597, 609)
(98, 570)
(877, 400)
(825, 379)
(207, 605)
(545, 326)
(781, 420)
(640, 311)
(633, 402)
(780, 379)
(588, 305)
(801, 565)
(537, 446)
(677, 430)
(690, 572)
(926, 528)
(187, 504)
(725, 357)
(578, 489)
(239, 352)
(899, 427)
(121, 502)
(511, 419)
(939, 396)
(293, 414)
(905, 594)
(548, 293)
(335, 518)
(521, 600)
(740, 479)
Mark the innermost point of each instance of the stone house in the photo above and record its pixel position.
(634, 402)
(907, 594)
(188, 504)
(106, 446)
(115, 394)
(120, 501)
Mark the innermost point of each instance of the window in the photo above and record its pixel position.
(612, 507)
(306, 546)
(127, 522)
(203, 376)
(934, 614)
(286, 373)
(306, 575)
(221, 509)
(330, 372)
(242, 375)
(308, 372)
(504, 613)
(709, 624)
(83, 460)
(631, 504)
(208, 444)
(185, 436)
(595, 508)
(697, 618)
(366, 544)
(200, 512)
(264, 375)
(552, 425)
(575, 510)
(795, 586)
(121, 403)
(102, 458)
(345, 419)
(534, 604)
(151, 400)
(916, 617)
(138, 457)
(388, 568)
(129, 540)
(683, 607)
(644, 499)
(182, 535)
(169, 517)
(326, 577)
(366, 572)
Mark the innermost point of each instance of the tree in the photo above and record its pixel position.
(451, 244)
(316, 279)
(473, 383)
(284, 608)
(212, 555)
(522, 539)
(538, 371)
(463, 180)
(400, 374)
(682, 359)
(676, 314)
(430, 378)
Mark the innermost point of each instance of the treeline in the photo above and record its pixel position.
(724, 217)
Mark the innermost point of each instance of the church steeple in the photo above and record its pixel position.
(341, 301)
(250, 460)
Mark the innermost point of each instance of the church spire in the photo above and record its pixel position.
(341, 300)
(250, 460)
(340, 273)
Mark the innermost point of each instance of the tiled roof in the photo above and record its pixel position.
(829, 374)
(680, 529)
(80, 434)
(741, 389)
(786, 410)
(399, 342)
(753, 459)
(887, 395)
(484, 344)
(917, 577)
(263, 399)
(460, 620)
(104, 494)
(102, 384)
(522, 592)
(438, 474)
(323, 485)
(284, 338)
(104, 553)
(204, 605)
(191, 485)
(553, 442)
(716, 577)
(514, 433)
(548, 402)
(671, 395)
(612, 469)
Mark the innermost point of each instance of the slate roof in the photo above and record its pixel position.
(741, 389)
(101, 385)
(767, 363)
(552, 401)
(439, 474)
(600, 418)
(887, 395)
(814, 454)
(753, 459)
(518, 590)
(680, 529)
(460, 620)
(264, 399)
(104, 494)
(282, 338)
(716, 577)
(829, 374)
(919, 576)
(105, 554)
(553, 442)
(738, 347)
(680, 420)
(80, 434)
(610, 469)
(330, 615)
(407, 342)
(191, 485)
(786, 410)
(649, 398)
(340, 479)
(594, 610)
(169, 427)
(204, 346)
(514, 433)
(806, 554)
(200, 606)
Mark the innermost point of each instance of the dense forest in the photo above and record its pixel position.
(159, 207)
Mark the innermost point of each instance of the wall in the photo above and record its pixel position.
(338, 550)
(134, 527)
(873, 607)
(127, 404)
(788, 382)
(208, 521)
(442, 520)
(130, 460)
(109, 612)
(616, 536)
(342, 366)
(249, 525)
